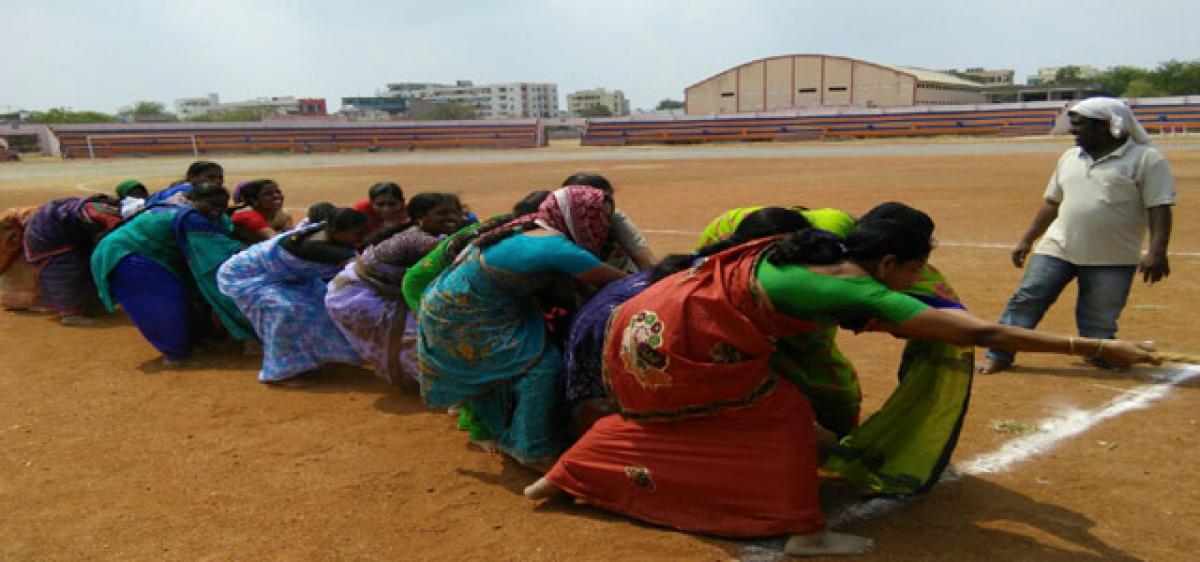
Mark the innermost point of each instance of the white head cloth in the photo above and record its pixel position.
(1120, 118)
(560, 197)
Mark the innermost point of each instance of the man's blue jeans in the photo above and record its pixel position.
(1103, 290)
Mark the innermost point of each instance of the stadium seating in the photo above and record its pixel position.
(1002, 122)
(118, 140)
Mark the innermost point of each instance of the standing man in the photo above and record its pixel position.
(1103, 195)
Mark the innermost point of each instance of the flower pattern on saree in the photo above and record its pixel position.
(640, 345)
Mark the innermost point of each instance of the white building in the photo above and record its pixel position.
(614, 101)
(413, 90)
(1048, 73)
(493, 101)
(195, 107)
(279, 105)
(272, 105)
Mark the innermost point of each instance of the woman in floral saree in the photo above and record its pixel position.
(505, 368)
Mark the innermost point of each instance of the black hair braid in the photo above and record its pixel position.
(457, 243)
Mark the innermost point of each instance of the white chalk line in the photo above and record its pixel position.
(1076, 422)
(941, 243)
(1052, 431)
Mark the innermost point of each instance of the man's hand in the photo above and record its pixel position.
(1154, 268)
(1019, 253)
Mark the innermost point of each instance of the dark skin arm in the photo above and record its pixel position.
(1041, 221)
(1154, 266)
(961, 328)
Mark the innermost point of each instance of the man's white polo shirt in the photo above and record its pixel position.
(1102, 216)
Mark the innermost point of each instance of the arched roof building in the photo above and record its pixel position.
(806, 80)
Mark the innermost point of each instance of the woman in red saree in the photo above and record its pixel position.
(707, 438)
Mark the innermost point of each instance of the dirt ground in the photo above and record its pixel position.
(104, 455)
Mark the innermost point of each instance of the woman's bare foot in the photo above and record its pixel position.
(990, 366)
(486, 445)
(453, 410)
(542, 489)
(77, 320)
(823, 543)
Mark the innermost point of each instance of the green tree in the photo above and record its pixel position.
(66, 115)
(669, 104)
(1175, 78)
(1116, 80)
(243, 115)
(596, 111)
(147, 111)
(1141, 88)
(1067, 75)
(443, 112)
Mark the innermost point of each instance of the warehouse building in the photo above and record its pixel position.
(815, 80)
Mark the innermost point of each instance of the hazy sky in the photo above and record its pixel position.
(103, 55)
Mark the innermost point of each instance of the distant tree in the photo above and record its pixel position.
(1116, 80)
(1068, 75)
(669, 104)
(1141, 88)
(1170, 78)
(66, 115)
(243, 115)
(596, 111)
(1175, 78)
(147, 111)
(444, 112)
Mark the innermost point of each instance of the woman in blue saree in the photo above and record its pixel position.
(280, 286)
(506, 368)
(161, 267)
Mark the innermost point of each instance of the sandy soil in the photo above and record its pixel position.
(108, 456)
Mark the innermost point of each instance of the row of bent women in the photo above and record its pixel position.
(702, 385)
(158, 255)
(695, 390)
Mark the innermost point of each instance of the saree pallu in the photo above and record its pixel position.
(697, 341)
(18, 281)
(168, 287)
(283, 297)
(481, 340)
(706, 440)
(206, 246)
(58, 244)
(376, 323)
(811, 361)
(904, 447)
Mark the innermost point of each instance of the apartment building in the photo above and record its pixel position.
(614, 101)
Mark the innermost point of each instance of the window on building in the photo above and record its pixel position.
(727, 94)
(837, 88)
(807, 90)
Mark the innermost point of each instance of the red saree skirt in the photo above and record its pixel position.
(738, 473)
